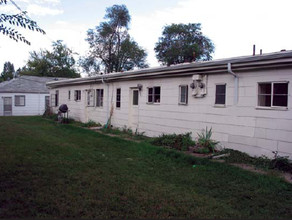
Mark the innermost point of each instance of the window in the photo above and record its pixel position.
(220, 95)
(273, 94)
(90, 97)
(154, 94)
(69, 94)
(99, 97)
(19, 100)
(135, 97)
(77, 95)
(118, 98)
(183, 94)
(57, 98)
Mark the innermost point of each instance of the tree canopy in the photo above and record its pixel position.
(7, 73)
(8, 22)
(58, 63)
(111, 46)
(183, 43)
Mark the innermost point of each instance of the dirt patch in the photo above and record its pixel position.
(287, 176)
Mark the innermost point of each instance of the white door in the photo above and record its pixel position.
(134, 109)
(7, 106)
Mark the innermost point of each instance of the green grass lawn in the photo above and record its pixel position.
(53, 170)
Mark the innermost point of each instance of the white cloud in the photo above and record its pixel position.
(54, 2)
(61, 23)
(42, 11)
(9, 9)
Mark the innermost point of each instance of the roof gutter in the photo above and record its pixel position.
(235, 83)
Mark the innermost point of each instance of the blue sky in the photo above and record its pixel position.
(233, 25)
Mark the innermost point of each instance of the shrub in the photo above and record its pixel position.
(176, 141)
(280, 163)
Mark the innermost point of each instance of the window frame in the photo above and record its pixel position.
(153, 95)
(88, 103)
(99, 98)
(137, 92)
(77, 95)
(56, 98)
(220, 94)
(272, 83)
(18, 104)
(118, 98)
(180, 102)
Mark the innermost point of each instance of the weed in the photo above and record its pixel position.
(90, 123)
(176, 141)
(280, 163)
(205, 143)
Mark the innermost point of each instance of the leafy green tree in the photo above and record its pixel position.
(111, 45)
(7, 73)
(183, 43)
(90, 65)
(58, 63)
(8, 21)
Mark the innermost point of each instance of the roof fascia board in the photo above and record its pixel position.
(183, 70)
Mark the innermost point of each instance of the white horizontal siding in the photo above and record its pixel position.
(241, 126)
(34, 104)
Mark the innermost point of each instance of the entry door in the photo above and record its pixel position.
(7, 106)
(47, 102)
(134, 109)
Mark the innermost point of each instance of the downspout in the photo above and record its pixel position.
(235, 83)
(107, 108)
(39, 101)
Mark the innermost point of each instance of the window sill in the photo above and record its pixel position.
(153, 103)
(271, 108)
(219, 106)
(180, 103)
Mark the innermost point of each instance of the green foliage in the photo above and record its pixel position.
(56, 63)
(279, 163)
(111, 46)
(49, 115)
(183, 43)
(7, 73)
(7, 23)
(205, 142)
(91, 123)
(176, 141)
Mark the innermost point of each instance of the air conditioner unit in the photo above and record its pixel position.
(197, 77)
(199, 86)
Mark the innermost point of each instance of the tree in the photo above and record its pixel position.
(90, 65)
(20, 19)
(183, 43)
(111, 45)
(7, 72)
(58, 63)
